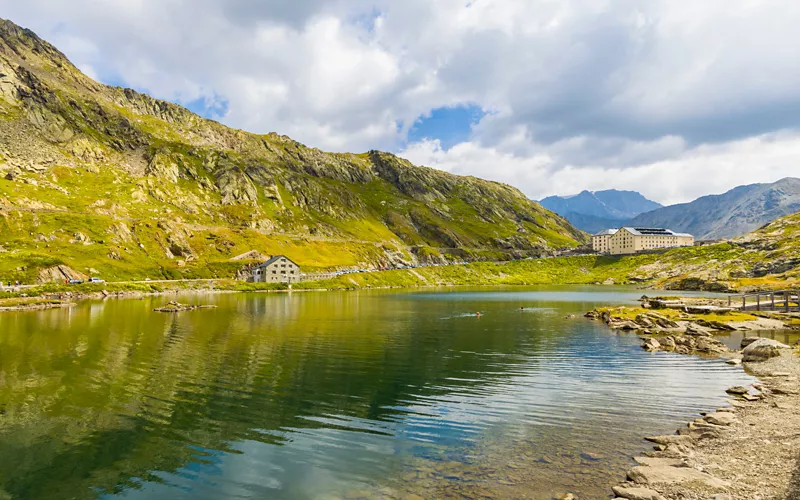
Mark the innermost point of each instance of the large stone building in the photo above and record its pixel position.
(629, 240)
(278, 269)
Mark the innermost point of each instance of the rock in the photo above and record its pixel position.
(738, 390)
(173, 306)
(762, 350)
(674, 475)
(720, 496)
(644, 321)
(651, 345)
(634, 493)
(717, 418)
(670, 439)
(668, 342)
(568, 496)
(734, 361)
(748, 340)
(710, 345)
(697, 330)
(660, 462)
(666, 323)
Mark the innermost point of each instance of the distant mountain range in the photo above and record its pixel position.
(598, 210)
(741, 210)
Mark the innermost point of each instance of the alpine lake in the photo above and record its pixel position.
(370, 394)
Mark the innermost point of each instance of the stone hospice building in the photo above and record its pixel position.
(278, 269)
(628, 240)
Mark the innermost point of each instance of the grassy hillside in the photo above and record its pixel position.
(109, 181)
(765, 259)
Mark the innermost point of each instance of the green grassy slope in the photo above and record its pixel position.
(108, 180)
(765, 259)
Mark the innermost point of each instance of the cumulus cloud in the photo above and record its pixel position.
(637, 94)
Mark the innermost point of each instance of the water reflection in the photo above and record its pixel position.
(335, 395)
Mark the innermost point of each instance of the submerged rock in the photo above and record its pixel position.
(173, 306)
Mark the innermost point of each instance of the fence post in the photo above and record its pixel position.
(758, 302)
(786, 297)
(744, 303)
(772, 297)
(729, 301)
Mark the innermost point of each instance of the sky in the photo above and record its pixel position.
(672, 98)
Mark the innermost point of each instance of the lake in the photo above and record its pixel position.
(386, 394)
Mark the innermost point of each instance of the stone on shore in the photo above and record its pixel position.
(670, 439)
(738, 390)
(674, 475)
(660, 462)
(747, 341)
(762, 350)
(720, 418)
(636, 493)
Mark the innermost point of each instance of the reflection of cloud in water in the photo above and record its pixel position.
(540, 310)
(463, 315)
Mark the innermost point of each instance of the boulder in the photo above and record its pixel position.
(651, 345)
(635, 493)
(747, 341)
(674, 475)
(644, 321)
(762, 350)
(734, 361)
(720, 418)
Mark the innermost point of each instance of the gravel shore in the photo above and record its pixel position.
(749, 450)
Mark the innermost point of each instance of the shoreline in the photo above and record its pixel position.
(747, 450)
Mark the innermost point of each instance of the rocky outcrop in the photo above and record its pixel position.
(59, 274)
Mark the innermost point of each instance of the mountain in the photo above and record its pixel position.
(108, 180)
(594, 211)
(739, 211)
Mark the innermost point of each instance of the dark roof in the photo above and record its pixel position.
(275, 258)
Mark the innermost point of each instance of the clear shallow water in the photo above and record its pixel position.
(337, 395)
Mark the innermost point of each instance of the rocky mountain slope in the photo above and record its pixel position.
(594, 211)
(739, 211)
(107, 180)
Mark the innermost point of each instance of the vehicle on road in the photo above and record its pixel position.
(75, 282)
(96, 280)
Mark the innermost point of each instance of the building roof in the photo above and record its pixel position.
(275, 258)
(653, 231)
(606, 232)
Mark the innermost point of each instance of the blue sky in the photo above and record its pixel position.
(448, 125)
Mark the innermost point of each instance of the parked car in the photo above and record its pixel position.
(96, 280)
(75, 282)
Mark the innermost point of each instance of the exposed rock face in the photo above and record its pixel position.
(58, 274)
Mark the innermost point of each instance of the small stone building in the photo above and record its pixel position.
(278, 269)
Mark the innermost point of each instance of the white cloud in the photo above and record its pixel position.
(691, 173)
(581, 93)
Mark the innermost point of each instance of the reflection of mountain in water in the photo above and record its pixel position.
(294, 395)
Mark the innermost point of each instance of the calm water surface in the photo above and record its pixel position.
(336, 395)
